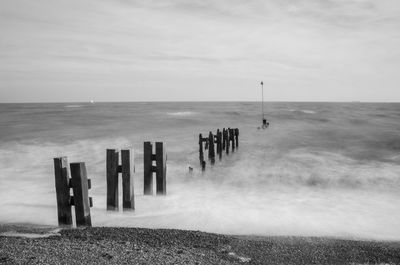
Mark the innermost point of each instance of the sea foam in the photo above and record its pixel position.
(298, 177)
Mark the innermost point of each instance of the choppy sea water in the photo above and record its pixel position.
(320, 169)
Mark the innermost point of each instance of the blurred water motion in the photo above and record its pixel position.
(323, 169)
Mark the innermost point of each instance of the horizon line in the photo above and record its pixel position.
(194, 101)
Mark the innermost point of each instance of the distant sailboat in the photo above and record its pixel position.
(265, 123)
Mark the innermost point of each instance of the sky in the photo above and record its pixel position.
(199, 50)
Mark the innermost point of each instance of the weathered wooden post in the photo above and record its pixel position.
(232, 138)
(160, 168)
(227, 141)
(237, 137)
(128, 196)
(203, 165)
(211, 150)
(219, 144)
(215, 139)
(62, 191)
(81, 200)
(201, 154)
(148, 168)
(223, 138)
(112, 179)
(112, 170)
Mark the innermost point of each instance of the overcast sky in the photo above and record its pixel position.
(174, 50)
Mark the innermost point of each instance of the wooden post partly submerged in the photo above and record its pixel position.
(112, 179)
(201, 154)
(112, 170)
(211, 150)
(128, 196)
(227, 140)
(161, 169)
(63, 191)
(80, 187)
(223, 138)
(147, 168)
(232, 138)
(237, 137)
(219, 143)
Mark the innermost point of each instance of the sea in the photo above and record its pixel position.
(319, 169)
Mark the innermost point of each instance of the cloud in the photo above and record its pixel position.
(306, 48)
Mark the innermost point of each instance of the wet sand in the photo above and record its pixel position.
(22, 244)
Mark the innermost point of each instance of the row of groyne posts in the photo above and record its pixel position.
(80, 184)
(222, 140)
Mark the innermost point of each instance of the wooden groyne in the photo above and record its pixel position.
(80, 185)
(220, 141)
(160, 168)
(154, 161)
(112, 170)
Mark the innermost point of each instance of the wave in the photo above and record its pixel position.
(306, 111)
(305, 168)
(181, 113)
(250, 186)
(73, 106)
(294, 178)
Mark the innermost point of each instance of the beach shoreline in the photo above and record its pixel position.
(112, 245)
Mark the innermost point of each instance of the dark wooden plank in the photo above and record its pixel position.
(128, 197)
(223, 138)
(211, 150)
(227, 141)
(219, 144)
(161, 173)
(112, 179)
(237, 137)
(232, 139)
(81, 194)
(147, 168)
(62, 191)
(201, 153)
(216, 142)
